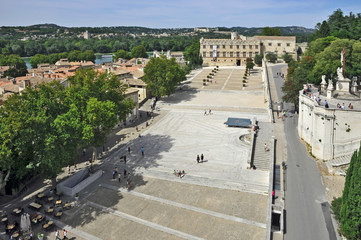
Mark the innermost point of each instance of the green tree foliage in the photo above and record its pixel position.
(340, 26)
(249, 64)
(271, 57)
(162, 76)
(287, 58)
(350, 211)
(76, 55)
(16, 63)
(258, 59)
(41, 130)
(139, 52)
(192, 54)
(121, 54)
(268, 31)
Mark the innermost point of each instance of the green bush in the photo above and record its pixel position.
(336, 207)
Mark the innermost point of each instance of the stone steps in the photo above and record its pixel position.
(261, 158)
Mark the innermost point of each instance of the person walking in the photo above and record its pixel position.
(65, 233)
(202, 157)
(119, 177)
(265, 147)
(129, 150)
(57, 235)
(125, 159)
(142, 150)
(198, 159)
(125, 173)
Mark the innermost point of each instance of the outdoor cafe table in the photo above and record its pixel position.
(58, 214)
(50, 210)
(35, 205)
(11, 226)
(46, 225)
(41, 195)
(4, 219)
(15, 235)
(67, 205)
(17, 211)
(50, 199)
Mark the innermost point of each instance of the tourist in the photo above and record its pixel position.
(65, 234)
(113, 173)
(202, 157)
(326, 104)
(343, 106)
(350, 106)
(125, 173)
(57, 235)
(129, 150)
(205, 112)
(136, 128)
(210, 111)
(142, 150)
(338, 105)
(265, 147)
(119, 177)
(68, 169)
(198, 159)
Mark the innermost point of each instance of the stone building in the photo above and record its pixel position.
(333, 130)
(235, 51)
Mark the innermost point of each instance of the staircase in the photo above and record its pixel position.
(261, 158)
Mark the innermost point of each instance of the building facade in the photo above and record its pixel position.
(235, 51)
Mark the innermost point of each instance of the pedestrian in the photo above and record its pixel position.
(129, 150)
(57, 235)
(202, 157)
(125, 173)
(142, 150)
(205, 112)
(113, 173)
(265, 147)
(125, 159)
(75, 166)
(136, 128)
(198, 159)
(65, 233)
(68, 169)
(84, 151)
(119, 177)
(210, 112)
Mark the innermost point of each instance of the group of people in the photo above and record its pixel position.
(65, 234)
(179, 173)
(280, 75)
(207, 113)
(200, 159)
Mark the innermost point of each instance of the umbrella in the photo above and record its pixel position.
(23, 223)
(28, 223)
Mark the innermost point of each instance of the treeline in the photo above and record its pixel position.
(322, 57)
(17, 65)
(58, 45)
(42, 129)
(72, 56)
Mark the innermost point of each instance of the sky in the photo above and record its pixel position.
(172, 13)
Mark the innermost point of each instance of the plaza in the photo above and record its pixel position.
(216, 199)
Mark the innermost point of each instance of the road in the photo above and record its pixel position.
(307, 209)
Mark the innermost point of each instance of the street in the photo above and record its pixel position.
(307, 209)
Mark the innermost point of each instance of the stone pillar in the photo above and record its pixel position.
(354, 86)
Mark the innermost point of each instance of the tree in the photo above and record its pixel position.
(162, 76)
(271, 57)
(139, 52)
(249, 64)
(192, 54)
(258, 59)
(267, 31)
(350, 211)
(121, 54)
(17, 65)
(287, 58)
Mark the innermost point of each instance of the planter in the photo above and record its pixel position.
(204, 84)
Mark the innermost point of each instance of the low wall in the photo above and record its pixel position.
(75, 184)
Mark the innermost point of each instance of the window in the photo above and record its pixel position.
(256, 46)
(269, 44)
(237, 46)
(204, 46)
(244, 54)
(217, 54)
(230, 46)
(244, 46)
(210, 54)
(237, 54)
(250, 54)
(288, 44)
(231, 54)
(217, 46)
(211, 46)
(204, 54)
(224, 54)
(261, 44)
(250, 46)
(279, 44)
(224, 46)
(256, 53)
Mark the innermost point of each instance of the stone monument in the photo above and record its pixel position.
(342, 84)
(323, 84)
(330, 89)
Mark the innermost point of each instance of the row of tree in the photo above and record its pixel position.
(42, 129)
(75, 55)
(137, 52)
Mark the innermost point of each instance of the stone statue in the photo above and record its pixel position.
(323, 80)
(330, 85)
(340, 74)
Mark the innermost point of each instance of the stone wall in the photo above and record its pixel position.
(331, 132)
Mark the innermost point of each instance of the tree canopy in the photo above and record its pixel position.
(41, 129)
(268, 31)
(17, 65)
(162, 76)
(139, 52)
(271, 57)
(192, 54)
(121, 54)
